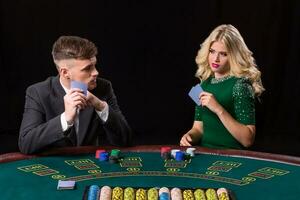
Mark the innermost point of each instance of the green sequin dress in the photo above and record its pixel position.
(236, 95)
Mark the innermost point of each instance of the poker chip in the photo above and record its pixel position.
(164, 193)
(165, 150)
(152, 194)
(164, 189)
(188, 195)
(173, 152)
(117, 193)
(105, 193)
(199, 194)
(191, 151)
(97, 155)
(115, 153)
(141, 194)
(211, 194)
(164, 196)
(179, 156)
(222, 194)
(129, 193)
(176, 194)
(103, 156)
(93, 192)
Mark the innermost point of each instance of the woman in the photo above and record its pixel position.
(230, 81)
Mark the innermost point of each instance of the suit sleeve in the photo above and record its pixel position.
(116, 127)
(35, 132)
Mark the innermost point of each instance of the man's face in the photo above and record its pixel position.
(83, 70)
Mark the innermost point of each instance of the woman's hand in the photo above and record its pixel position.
(207, 99)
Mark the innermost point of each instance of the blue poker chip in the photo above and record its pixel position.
(93, 192)
(103, 156)
(179, 156)
(164, 196)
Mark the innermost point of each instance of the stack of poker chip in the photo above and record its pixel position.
(105, 193)
(176, 194)
(211, 194)
(173, 152)
(164, 193)
(117, 194)
(141, 194)
(114, 156)
(165, 152)
(222, 194)
(191, 151)
(93, 192)
(199, 194)
(188, 195)
(98, 152)
(129, 193)
(104, 156)
(152, 194)
(179, 156)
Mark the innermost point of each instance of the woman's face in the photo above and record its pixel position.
(218, 59)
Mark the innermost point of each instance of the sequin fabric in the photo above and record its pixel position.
(219, 80)
(243, 96)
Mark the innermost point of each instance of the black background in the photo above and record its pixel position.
(147, 49)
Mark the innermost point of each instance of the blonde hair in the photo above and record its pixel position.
(241, 61)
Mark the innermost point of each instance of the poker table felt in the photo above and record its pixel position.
(247, 174)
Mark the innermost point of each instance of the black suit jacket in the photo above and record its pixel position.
(41, 126)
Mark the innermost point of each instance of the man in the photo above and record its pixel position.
(57, 115)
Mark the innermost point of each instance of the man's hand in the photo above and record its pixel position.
(95, 102)
(73, 100)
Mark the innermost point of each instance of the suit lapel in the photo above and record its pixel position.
(85, 117)
(57, 101)
(58, 93)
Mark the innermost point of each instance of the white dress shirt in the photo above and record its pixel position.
(65, 126)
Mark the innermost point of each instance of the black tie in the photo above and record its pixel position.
(72, 136)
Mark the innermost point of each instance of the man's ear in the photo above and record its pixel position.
(64, 72)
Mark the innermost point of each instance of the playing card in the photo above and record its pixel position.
(195, 92)
(79, 85)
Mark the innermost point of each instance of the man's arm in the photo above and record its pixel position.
(35, 132)
(116, 127)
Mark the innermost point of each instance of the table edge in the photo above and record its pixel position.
(15, 156)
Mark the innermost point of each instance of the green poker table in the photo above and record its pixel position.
(246, 174)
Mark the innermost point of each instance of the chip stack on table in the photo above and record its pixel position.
(164, 193)
(191, 151)
(179, 156)
(173, 152)
(188, 195)
(114, 156)
(105, 193)
(98, 152)
(141, 194)
(152, 194)
(176, 194)
(129, 193)
(117, 193)
(104, 156)
(156, 193)
(165, 152)
(93, 192)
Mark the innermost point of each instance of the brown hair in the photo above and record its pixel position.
(68, 47)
